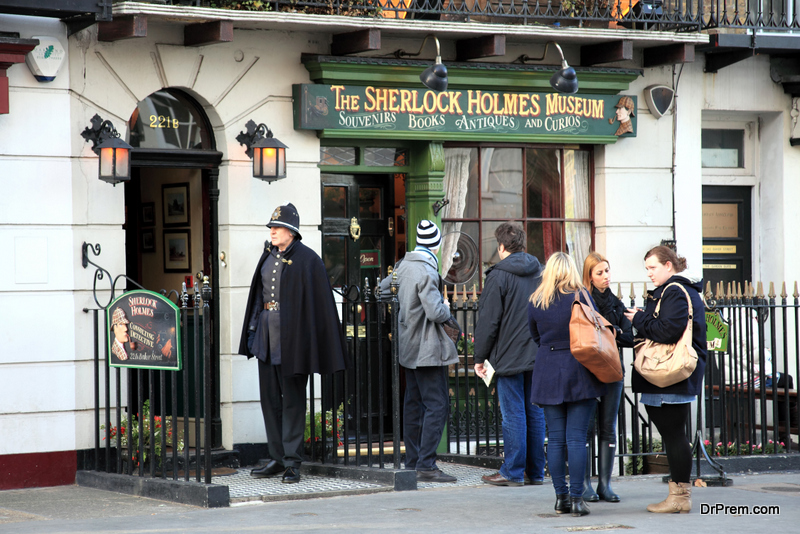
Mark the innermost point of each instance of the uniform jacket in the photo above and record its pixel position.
(422, 341)
(557, 376)
(502, 335)
(311, 333)
(668, 328)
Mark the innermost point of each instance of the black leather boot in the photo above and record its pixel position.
(605, 465)
(588, 493)
(578, 507)
(563, 506)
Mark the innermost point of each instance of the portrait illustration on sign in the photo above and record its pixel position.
(625, 110)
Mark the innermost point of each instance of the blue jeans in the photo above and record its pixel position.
(523, 429)
(426, 408)
(567, 425)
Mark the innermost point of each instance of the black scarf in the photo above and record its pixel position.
(605, 304)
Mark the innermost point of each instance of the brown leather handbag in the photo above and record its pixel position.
(593, 341)
(664, 364)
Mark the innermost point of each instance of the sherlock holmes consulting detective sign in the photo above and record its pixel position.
(144, 332)
(462, 112)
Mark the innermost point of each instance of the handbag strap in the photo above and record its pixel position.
(688, 330)
(597, 323)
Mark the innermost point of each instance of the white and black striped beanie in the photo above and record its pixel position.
(428, 234)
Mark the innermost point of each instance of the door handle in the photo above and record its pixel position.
(355, 229)
(391, 226)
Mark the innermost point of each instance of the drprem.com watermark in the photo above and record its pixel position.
(722, 509)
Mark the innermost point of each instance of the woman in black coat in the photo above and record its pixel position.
(597, 279)
(669, 408)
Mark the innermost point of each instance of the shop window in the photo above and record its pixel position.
(546, 190)
(722, 148)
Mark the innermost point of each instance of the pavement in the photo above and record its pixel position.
(468, 506)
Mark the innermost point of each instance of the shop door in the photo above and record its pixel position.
(357, 245)
(357, 228)
(726, 235)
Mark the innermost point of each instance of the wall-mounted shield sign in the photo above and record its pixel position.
(45, 60)
(144, 332)
(659, 99)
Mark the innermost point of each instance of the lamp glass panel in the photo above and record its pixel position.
(107, 161)
(281, 162)
(256, 162)
(269, 157)
(122, 169)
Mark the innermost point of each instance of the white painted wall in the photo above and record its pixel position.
(51, 200)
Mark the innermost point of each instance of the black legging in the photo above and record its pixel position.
(671, 420)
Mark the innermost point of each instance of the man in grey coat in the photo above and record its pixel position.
(425, 352)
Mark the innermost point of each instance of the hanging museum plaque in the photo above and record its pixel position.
(716, 332)
(419, 113)
(145, 332)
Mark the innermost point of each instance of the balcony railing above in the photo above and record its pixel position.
(654, 15)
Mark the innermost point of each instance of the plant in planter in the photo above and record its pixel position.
(466, 344)
(329, 426)
(141, 447)
(743, 449)
(644, 464)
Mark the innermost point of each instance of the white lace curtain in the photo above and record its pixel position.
(576, 184)
(456, 178)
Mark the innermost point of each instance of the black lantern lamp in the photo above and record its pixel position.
(564, 80)
(268, 154)
(115, 154)
(435, 76)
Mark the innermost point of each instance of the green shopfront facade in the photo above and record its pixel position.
(497, 145)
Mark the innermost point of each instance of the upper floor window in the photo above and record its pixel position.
(546, 190)
(722, 148)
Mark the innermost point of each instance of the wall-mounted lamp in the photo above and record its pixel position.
(268, 154)
(115, 154)
(435, 76)
(564, 80)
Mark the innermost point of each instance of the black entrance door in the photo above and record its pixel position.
(727, 255)
(357, 245)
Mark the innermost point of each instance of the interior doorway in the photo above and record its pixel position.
(171, 233)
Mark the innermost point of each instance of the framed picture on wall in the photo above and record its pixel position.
(175, 198)
(148, 240)
(177, 251)
(148, 213)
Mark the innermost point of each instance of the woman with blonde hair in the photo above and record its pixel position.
(597, 279)
(563, 387)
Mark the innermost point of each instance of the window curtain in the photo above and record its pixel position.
(456, 178)
(576, 187)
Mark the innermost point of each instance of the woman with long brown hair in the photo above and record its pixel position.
(597, 279)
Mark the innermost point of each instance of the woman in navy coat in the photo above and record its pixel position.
(562, 386)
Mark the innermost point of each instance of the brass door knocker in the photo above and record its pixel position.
(355, 229)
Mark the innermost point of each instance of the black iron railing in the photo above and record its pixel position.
(154, 421)
(657, 15)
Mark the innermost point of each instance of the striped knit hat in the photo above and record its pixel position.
(428, 234)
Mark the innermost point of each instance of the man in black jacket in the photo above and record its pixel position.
(503, 338)
(292, 327)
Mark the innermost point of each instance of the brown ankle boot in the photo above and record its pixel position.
(679, 500)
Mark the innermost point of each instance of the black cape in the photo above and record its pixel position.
(311, 333)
